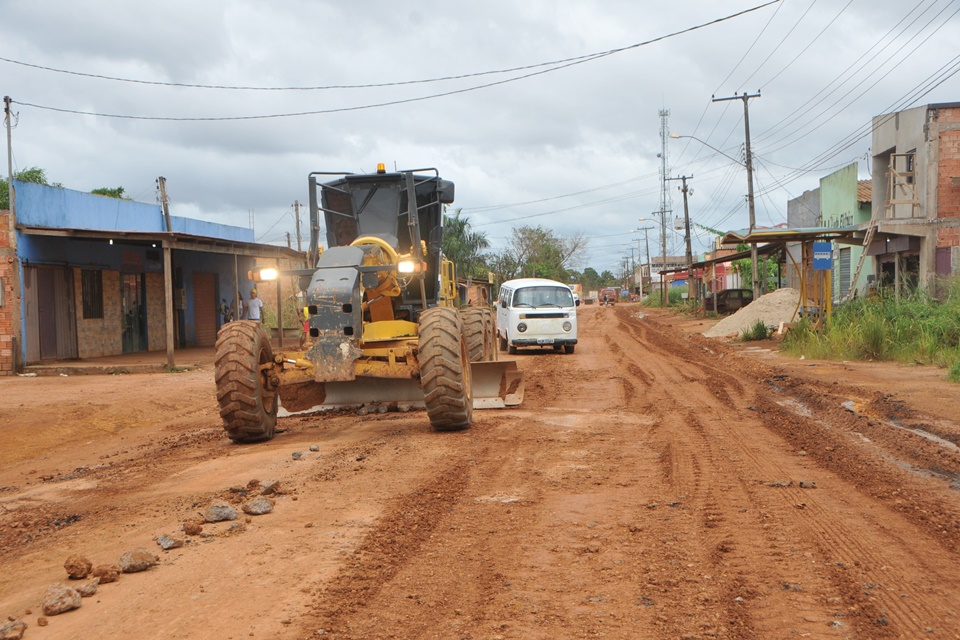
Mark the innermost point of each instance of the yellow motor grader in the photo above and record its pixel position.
(383, 328)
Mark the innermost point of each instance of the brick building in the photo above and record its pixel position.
(83, 276)
(914, 230)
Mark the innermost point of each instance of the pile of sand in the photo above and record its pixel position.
(772, 308)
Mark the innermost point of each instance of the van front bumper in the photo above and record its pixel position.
(542, 342)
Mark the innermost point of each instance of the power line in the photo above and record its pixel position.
(825, 113)
(621, 198)
(495, 207)
(563, 64)
(782, 40)
(564, 61)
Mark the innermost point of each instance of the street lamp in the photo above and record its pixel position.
(748, 165)
(677, 136)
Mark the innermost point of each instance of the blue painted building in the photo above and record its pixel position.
(94, 273)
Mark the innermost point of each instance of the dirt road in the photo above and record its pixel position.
(655, 484)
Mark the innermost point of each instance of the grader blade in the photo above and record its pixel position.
(496, 385)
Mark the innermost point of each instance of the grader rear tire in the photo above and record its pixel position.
(490, 331)
(248, 403)
(474, 332)
(478, 327)
(445, 370)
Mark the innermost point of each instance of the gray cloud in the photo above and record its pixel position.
(567, 131)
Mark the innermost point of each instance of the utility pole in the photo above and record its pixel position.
(164, 203)
(15, 303)
(8, 121)
(686, 226)
(663, 265)
(646, 239)
(296, 213)
(753, 216)
(665, 203)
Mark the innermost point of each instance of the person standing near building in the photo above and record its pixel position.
(254, 307)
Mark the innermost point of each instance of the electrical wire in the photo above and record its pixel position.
(495, 207)
(804, 50)
(551, 67)
(933, 81)
(825, 115)
(621, 198)
(802, 108)
(461, 76)
(782, 40)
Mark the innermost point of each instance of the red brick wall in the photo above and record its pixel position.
(99, 336)
(8, 296)
(948, 180)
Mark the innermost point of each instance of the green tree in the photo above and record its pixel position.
(536, 252)
(463, 245)
(744, 267)
(35, 175)
(590, 279)
(110, 193)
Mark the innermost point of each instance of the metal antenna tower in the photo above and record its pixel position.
(665, 203)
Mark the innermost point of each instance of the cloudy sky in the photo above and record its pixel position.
(543, 112)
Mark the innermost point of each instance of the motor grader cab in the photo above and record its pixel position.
(383, 328)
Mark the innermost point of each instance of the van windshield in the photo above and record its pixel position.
(544, 296)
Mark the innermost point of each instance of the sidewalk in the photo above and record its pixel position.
(140, 362)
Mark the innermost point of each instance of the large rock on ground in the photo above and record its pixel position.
(107, 572)
(78, 567)
(12, 630)
(137, 560)
(218, 511)
(88, 587)
(258, 506)
(60, 599)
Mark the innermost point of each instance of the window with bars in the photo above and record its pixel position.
(91, 282)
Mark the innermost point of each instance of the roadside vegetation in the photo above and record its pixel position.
(757, 331)
(912, 329)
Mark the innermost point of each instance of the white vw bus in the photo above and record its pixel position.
(535, 312)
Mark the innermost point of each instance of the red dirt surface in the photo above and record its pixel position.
(656, 484)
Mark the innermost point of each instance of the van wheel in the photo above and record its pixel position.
(568, 348)
(503, 344)
(511, 349)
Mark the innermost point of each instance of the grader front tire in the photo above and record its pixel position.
(445, 370)
(248, 402)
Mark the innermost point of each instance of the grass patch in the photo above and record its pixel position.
(954, 374)
(915, 329)
(757, 331)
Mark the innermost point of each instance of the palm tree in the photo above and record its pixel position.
(463, 245)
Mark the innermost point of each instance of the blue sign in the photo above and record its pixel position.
(822, 256)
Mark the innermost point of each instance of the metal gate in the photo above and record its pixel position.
(205, 309)
(843, 274)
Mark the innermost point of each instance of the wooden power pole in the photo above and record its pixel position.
(753, 215)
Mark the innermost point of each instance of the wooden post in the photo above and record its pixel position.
(279, 306)
(168, 294)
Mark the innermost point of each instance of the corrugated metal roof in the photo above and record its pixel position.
(799, 234)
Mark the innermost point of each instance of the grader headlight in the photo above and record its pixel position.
(263, 275)
(407, 265)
